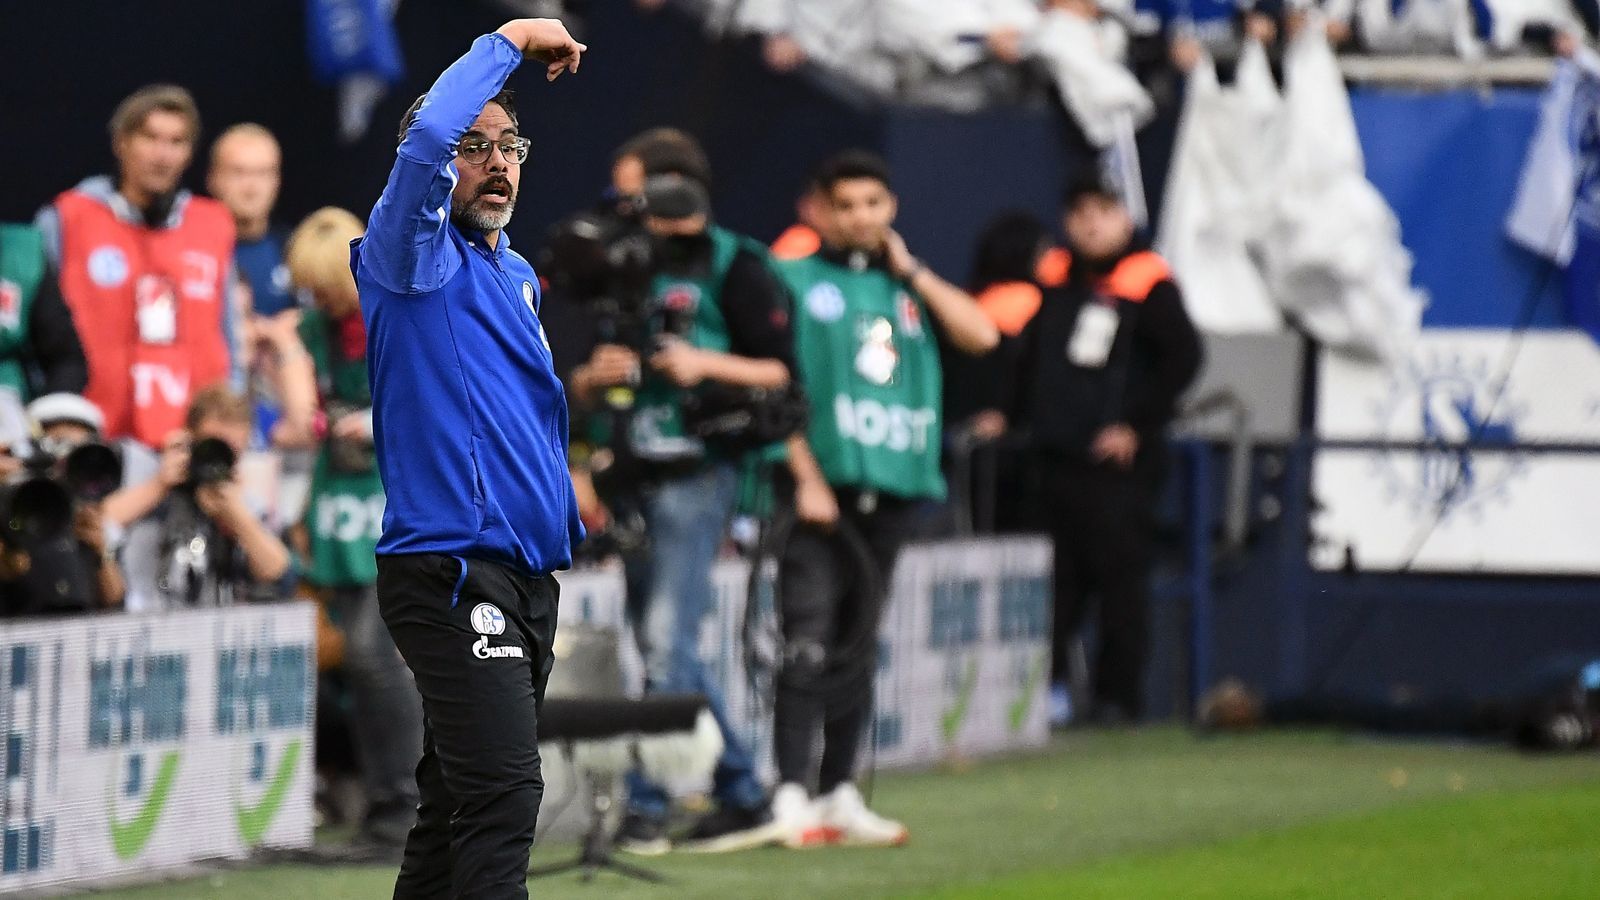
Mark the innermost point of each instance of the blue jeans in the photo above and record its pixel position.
(669, 597)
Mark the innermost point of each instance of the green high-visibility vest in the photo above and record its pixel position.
(22, 271)
(870, 364)
(656, 430)
(344, 517)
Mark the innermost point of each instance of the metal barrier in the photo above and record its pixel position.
(974, 473)
(1203, 549)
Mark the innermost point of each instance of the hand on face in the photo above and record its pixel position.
(901, 263)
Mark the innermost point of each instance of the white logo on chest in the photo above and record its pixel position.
(825, 302)
(108, 266)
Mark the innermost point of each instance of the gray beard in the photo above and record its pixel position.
(469, 218)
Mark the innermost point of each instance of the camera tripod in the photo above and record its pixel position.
(597, 853)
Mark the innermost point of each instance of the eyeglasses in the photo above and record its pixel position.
(476, 152)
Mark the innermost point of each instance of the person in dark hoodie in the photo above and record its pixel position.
(1101, 369)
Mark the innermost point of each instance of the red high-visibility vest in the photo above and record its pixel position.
(111, 270)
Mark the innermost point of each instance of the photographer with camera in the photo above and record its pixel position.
(694, 351)
(198, 541)
(55, 556)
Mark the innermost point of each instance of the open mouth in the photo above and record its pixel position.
(496, 192)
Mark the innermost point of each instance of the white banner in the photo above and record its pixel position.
(137, 743)
(966, 651)
(963, 655)
(1452, 507)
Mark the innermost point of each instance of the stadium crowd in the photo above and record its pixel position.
(966, 53)
(186, 418)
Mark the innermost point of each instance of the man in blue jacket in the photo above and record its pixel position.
(470, 426)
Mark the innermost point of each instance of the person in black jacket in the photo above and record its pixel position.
(40, 352)
(1101, 369)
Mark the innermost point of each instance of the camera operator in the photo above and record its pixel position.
(573, 322)
(199, 542)
(55, 555)
(713, 323)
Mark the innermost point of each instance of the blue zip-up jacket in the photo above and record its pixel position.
(468, 416)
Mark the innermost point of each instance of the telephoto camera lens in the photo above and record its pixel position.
(91, 472)
(35, 510)
(211, 462)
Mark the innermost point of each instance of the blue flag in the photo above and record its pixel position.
(352, 37)
(1556, 213)
(1583, 272)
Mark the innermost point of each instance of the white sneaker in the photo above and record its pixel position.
(848, 821)
(796, 816)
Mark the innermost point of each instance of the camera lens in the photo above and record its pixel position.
(210, 462)
(92, 472)
(38, 509)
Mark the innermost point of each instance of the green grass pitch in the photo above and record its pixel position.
(1150, 813)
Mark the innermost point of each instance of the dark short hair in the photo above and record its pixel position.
(668, 151)
(1085, 187)
(132, 112)
(851, 165)
(507, 99)
(1008, 249)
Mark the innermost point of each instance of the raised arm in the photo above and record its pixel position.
(970, 331)
(406, 247)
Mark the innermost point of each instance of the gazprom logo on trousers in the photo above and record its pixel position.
(487, 619)
(482, 650)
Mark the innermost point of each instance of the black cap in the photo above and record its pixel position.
(1086, 186)
(675, 197)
